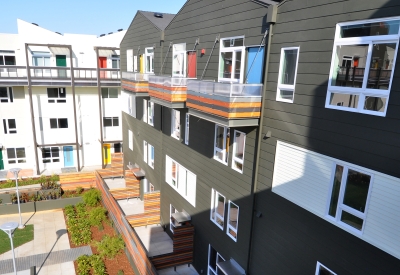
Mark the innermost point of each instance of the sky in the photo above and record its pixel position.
(80, 16)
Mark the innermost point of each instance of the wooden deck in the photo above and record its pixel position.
(71, 181)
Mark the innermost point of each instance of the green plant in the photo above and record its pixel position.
(97, 215)
(92, 197)
(21, 236)
(84, 265)
(120, 272)
(98, 265)
(13, 197)
(79, 190)
(32, 198)
(109, 246)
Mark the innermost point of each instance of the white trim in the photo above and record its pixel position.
(234, 158)
(217, 255)
(150, 113)
(175, 129)
(223, 150)
(319, 265)
(229, 227)
(179, 52)
(287, 87)
(214, 215)
(10, 96)
(151, 153)
(187, 116)
(241, 49)
(145, 115)
(151, 55)
(16, 159)
(145, 151)
(130, 139)
(171, 226)
(51, 158)
(8, 130)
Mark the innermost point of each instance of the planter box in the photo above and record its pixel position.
(38, 206)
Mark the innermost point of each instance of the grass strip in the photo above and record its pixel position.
(21, 236)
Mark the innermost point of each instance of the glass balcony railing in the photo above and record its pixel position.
(135, 76)
(13, 72)
(168, 81)
(225, 89)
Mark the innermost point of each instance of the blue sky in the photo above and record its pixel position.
(80, 16)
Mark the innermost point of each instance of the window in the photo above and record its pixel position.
(41, 59)
(287, 74)
(135, 66)
(6, 95)
(149, 55)
(363, 62)
(56, 95)
(7, 58)
(238, 151)
(51, 154)
(145, 149)
(16, 155)
(58, 123)
(233, 220)
(130, 138)
(213, 258)
(179, 60)
(221, 148)
(145, 106)
(349, 197)
(150, 113)
(110, 121)
(181, 179)
(109, 92)
(231, 60)
(10, 126)
(129, 60)
(150, 160)
(217, 208)
(187, 129)
(115, 60)
(172, 210)
(322, 270)
(147, 186)
(175, 124)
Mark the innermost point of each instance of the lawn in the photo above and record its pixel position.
(21, 236)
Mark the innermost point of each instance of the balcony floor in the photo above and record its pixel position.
(131, 206)
(156, 241)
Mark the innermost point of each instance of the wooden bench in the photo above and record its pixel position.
(71, 181)
(144, 219)
(124, 193)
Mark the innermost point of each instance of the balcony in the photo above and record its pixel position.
(168, 91)
(57, 76)
(137, 83)
(228, 104)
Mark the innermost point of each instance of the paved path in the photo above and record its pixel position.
(44, 259)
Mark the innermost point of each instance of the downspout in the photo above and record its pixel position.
(258, 145)
(100, 116)
(28, 74)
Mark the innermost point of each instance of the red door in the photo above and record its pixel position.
(192, 64)
(102, 64)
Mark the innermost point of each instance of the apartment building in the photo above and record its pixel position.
(60, 99)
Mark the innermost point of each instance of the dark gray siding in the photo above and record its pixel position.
(288, 239)
(141, 33)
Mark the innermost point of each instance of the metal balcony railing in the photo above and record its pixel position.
(135, 76)
(225, 89)
(168, 81)
(13, 72)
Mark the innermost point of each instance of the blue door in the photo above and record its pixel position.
(68, 157)
(255, 65)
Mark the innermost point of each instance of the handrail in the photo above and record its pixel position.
(225, 89)
(169, 81)
(135, 76)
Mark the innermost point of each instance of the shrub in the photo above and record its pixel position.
(98, 265)
(97, 215)
(120, 272)
(79, 190)
(92, 197)
(110, 246)
(84, 265)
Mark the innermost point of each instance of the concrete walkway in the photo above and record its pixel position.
(49, 236)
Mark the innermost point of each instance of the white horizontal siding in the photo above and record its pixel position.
(304, 178)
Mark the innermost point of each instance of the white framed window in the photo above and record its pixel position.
(287, 74)
(179, 60)
(130, 138)
(109, 92)
(175, 124)
(217, 213)
(41, 59)
(363, 83)
(115, 61)
(239, 142)
(181, 179)
(58, 123)
(231, 59)
(131, 104)
(6, 95)
(349, 197)
(145, 151)
(110, 121)
(51, 154)
(16, 155)
(323, 270)
(135, 64)
(56, 95)
(213, 258)
(149, 59)
(10, 126)
(7, 58)
(187, 129)
(147, 186)
(233, 220)
(150, 160)
(172, 210)
(145, 107)
(150, 113)
(129, 60)
(221, 147)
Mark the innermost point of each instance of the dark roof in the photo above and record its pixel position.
(160, 23)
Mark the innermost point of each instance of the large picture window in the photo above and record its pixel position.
(58, 123)
(221, 148)
(287, 74)
(217, 208)
(179, 60)
(16, 155)
(231, 60)
(349, 197)
(363, 62)
(51, 154)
